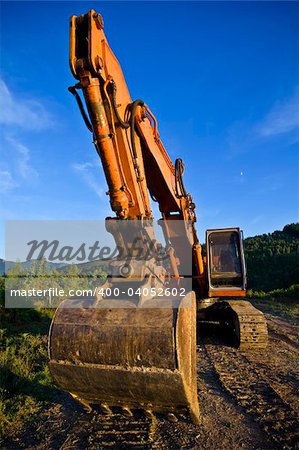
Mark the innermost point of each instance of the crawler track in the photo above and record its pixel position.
(250, 325)
(283, 331)
(112, 432)
(255, 393)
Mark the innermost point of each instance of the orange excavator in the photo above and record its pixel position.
(138, 349)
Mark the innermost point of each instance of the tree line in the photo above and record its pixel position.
(273, 259)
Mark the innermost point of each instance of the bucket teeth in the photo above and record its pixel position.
(127, 412)
(105, 409)
(83, 403)
(172, 417)
(149, 414)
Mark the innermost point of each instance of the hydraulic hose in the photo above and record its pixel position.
(134, 106)
(73, 91)
(122, 123)
(179, 171)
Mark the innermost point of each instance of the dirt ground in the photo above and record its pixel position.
(248, 400)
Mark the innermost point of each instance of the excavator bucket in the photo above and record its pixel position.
(129, 357)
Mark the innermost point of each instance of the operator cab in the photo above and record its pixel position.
(225, 262)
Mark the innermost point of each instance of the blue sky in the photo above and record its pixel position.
(221, 78)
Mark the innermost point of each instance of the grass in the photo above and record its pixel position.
(291, 293)
(279, 302)
(285, 308)
(25, 380)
